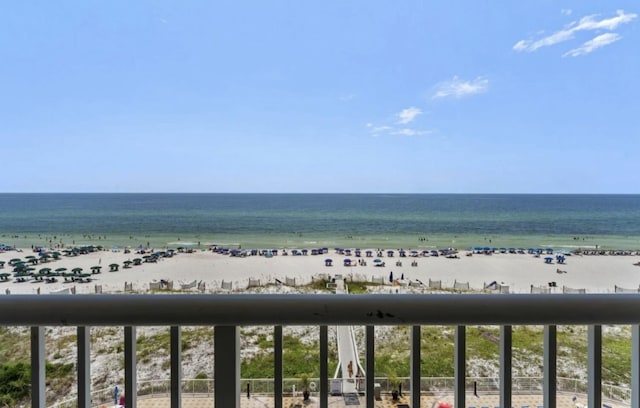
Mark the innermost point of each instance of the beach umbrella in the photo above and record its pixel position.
(76, 270)
(14, 261)
(377, 261)
(59, 270)
(328, 261)
(96, 269)
(391, 276)
(347, 262)
(113, 267)
(20, 267)
(44, 271)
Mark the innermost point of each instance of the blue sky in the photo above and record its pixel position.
(332, 96)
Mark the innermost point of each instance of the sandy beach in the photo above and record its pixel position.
(594, 273)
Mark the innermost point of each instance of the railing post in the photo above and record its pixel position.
(324, 366)
(505, 365)
(38, 367)
(176, 367)
(460, 367)
(277, 369)
(594, 369)
(415, 366)
(130, 367)
(370, 340)
(550, 376)
(84, 367)
(635, 366)
(227, 366)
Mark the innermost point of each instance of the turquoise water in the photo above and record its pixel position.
(314, 220)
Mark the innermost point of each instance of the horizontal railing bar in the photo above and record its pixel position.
(243, 309)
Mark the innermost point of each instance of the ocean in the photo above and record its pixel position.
(322, 220)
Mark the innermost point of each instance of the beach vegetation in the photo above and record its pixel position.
(361, 287)
(319, 285)
(15, 381)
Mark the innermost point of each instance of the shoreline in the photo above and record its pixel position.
(307, 240)
(518, 272)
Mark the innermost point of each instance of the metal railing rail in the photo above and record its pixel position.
(442, 385)
(228, 312)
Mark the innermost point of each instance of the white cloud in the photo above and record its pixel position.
(347, 97)
(380, 129)
(593, 44)
(587, 23)
(457, 88)
(409, 132)
(383, 130)
(408, 115)
(566, 12)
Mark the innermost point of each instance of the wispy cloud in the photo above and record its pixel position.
(593, 44)
(410, 132)
(566, 12)
(378, 129)
(587, 23)
(347, 97)
(386, 130)
(458, 88)
(408, 115)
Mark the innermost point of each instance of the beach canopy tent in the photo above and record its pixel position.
(390, 253)
(113, 267)
(369, 253)
(347, 262)
(76, 270)
(328, 261)
(96, 269)
(60, 270)
(4, 276)
(548, 259)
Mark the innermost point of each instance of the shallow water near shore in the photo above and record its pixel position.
(322, 220)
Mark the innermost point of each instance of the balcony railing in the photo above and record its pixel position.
(228, 312)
